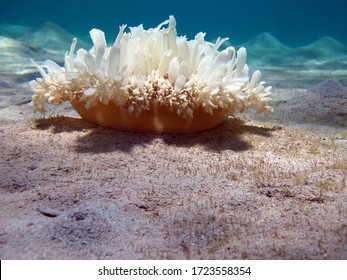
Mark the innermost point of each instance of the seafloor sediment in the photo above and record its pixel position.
(256, 187)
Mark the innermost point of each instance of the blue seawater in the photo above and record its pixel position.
(293, 22)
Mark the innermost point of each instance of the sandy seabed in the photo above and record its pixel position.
(255, 187)
(252, 188)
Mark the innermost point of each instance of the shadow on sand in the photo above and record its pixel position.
(97, 139)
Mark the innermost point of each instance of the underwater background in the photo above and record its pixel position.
(256, 187)
(295, 23)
